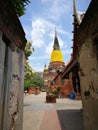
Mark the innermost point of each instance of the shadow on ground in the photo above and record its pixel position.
(70, 119)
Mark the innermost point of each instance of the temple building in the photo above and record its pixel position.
(69, 78)
(56, 64)
(71, 70)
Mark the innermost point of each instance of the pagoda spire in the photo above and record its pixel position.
(45, 67)
(74, 7)
(56, 42)
(55, 32)
(75, 11)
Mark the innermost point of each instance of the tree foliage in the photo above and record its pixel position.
(28, 50)
(20, 6)
(37, 79)
(31, 78)
(28, 69)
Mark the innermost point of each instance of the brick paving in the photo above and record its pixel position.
(50, 121)
(63, 115)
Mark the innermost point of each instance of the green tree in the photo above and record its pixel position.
(20, 6)
(31, 78)
(28, 69)
(28, 49)
(37, 79)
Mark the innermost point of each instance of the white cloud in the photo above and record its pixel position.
(49, 48)
(58, 8)
(38, 57)
(37, 33)
(40, 29)
(43, 31)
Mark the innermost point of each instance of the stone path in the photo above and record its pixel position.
(63, 115)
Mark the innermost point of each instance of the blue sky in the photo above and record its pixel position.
(39, 22)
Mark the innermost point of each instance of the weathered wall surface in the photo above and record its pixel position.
(12, 45)
(88, 59)
(89, 83)
(2, 58)
(11, 87)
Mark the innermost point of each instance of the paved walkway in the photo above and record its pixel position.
(63, 115)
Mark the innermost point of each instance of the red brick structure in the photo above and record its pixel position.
(34, 90)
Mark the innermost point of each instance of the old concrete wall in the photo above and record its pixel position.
(89, 83)
(12, 113)
(2, 58)
(88, 59)
(11, 68)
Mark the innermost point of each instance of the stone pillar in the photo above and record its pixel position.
(12, 115)
(2, 59)
(89, 84)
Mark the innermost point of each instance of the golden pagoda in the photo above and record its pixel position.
(56, 62)
(56, 55)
